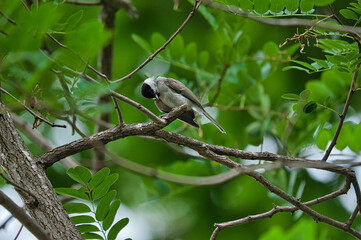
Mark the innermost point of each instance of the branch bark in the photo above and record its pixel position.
(21, 167)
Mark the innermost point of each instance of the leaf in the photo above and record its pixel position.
(305, 94)
(76, 208)
(82, 219)
(292, 5)
(345, 137)
(323, 137)
(277, 5)
(355, 144)
(271, 49)
(261, 6)
(142, 42)
(253, 69)
(73, 20)
(291, 96)
(98, 178)
(103, 188)
(191, 53)
(76, 193)
(309, 107)
(246, 5)
(103, 205)
(304, 64)
(176, 48)
(108, 221)
(203, 59)
(296, 67)
(91, 235)
(348, 14)
(323, 2)
(85, 228)
(113, 232)
(157, 40)
(80, 174)
(307, 5)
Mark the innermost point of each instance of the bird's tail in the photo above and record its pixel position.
(212, 120)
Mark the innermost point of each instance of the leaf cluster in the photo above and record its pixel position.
(96, 191)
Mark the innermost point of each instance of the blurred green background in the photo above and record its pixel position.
(248, 106)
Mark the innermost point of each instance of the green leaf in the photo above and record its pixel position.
(292, 5)
(73, 21)
(82, 219)
(323, 137)
(348, 14)
(108, 221)
(277, 5)
(176, 48)
(80, 174)
(246, 5)
(261, 6)
(323, 2)
(98, 178)
(305, 94)
(91, 235)
(142, 42)
(304, 64)
(103, 188)
(291, 96)
(320, 62)
(355, 143)
(271, 49)
(85, 228)
(157, 41)
(296, 67)
(253, 69)
(346, 135)
(113, 232)
(319, 91)
(191, 53)
(76, 208)
(76, 193)
(103, 206)
(307, 5)
(203, 59)
(309, 107)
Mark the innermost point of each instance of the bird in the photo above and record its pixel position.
(170, 93)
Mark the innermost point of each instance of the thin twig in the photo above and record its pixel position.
(8, 181)
(84, 3)
(219, 84)
(80, 58)
(197, 3)
(352, 217)
(120, 116)
(18, 234)
(40, 140)
(31, 112)
(7, 18)
(345, 109)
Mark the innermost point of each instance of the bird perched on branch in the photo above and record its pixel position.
(170, 93)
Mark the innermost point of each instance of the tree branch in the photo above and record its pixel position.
(24, 218)
(289, 22)
(31, 112)
(197, 3)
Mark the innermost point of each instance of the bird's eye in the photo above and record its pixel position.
(147, 91)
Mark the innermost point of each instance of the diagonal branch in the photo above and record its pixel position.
(197, 3)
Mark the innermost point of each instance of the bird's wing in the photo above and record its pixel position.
(180, 88)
